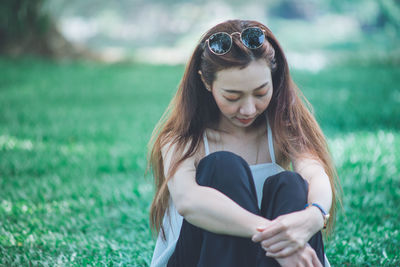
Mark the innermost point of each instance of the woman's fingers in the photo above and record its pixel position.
(315, 261)
(304, 257)
(307, 257)
(276, 243)
(276, 247)
(285, 241)
(267, 233)
(313, 256)
(274, 228)
(308, 262)
(273, 240)
(287, 251)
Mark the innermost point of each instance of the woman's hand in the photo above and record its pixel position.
(304, 257)
(290, 232)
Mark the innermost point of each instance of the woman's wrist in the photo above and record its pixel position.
(316, 218)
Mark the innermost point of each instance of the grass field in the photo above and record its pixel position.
(73, 152)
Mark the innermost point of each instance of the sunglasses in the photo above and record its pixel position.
(220, 43)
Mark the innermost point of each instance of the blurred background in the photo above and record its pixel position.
(166, 31)
(83, 83)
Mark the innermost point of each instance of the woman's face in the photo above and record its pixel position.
(243, 94)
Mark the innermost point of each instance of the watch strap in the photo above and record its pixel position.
(325, 215)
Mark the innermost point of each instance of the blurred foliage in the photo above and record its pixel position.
(372, 14)
(22, 18)
(139, 23)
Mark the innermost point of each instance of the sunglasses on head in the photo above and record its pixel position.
(220, 43)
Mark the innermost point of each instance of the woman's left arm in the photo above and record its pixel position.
(319, 187)
(286, 234)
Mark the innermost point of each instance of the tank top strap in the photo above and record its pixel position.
(270, 143)
(205, 140)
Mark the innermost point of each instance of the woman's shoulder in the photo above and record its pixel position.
(170, 150)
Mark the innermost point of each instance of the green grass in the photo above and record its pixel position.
(73, 148)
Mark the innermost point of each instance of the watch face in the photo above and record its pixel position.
(326, 218)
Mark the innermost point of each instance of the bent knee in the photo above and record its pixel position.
(223, 156)
(225, 168)
(223, 160)
(288, 178)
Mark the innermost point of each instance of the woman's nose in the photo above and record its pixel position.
(248, 108)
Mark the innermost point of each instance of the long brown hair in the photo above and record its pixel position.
(193, 109)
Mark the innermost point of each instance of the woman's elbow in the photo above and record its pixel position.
(183, 205)
(185, 198)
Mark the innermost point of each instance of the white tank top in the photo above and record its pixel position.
(164, 249)
(262, 171)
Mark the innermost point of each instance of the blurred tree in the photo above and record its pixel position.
(25, 28)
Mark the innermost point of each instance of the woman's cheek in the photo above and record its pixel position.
(265, 103)
(228, 108)
(224, 105)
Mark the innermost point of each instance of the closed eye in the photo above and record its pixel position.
(262, 94)
(232, 99)
(259, 96)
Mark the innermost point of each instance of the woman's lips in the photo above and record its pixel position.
(245, 121)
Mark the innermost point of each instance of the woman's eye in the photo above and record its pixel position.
(232, 99)
(259, 96)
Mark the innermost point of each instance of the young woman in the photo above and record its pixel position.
(221, 157)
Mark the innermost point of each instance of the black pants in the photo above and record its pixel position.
(227, 172)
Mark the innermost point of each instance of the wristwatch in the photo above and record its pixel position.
(325, 215)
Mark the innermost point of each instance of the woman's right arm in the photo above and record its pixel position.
(207, 207)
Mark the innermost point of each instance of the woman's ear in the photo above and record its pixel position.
(204, 82)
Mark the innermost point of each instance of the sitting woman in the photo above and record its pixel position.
(221, 156)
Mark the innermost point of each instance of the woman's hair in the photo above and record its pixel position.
(193, 109)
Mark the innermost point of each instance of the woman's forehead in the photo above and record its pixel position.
(257, 73)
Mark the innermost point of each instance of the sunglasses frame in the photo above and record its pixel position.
(230, 37)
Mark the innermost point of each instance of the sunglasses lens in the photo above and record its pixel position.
(220, 43)
(253, 37)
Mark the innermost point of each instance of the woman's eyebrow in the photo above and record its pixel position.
(239, 92)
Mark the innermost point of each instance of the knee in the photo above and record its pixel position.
(222, 167)
(283, 193)
(231, 175)
(288, 179)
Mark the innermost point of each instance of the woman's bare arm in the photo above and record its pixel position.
(319, 187)
(207, 207)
